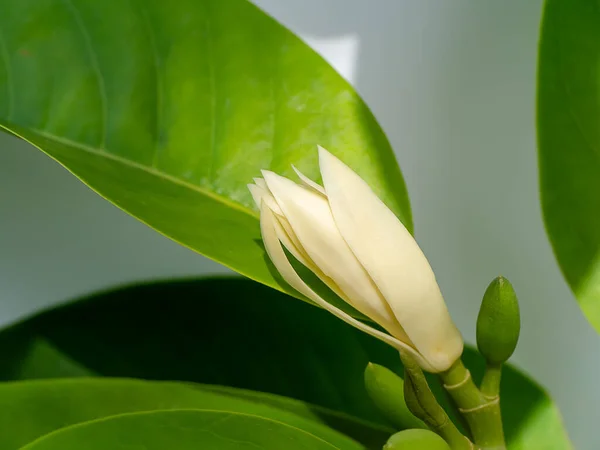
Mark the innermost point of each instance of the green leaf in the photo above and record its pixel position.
(169, 109)
(370, 434)
(569, 143)
(238, 333)
(31, 409)
(181, 430)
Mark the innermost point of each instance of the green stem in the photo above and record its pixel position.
(481, 413)
(423, 404)
(490, 385)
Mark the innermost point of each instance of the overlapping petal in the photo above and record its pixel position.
(348, 237)
(393, 259)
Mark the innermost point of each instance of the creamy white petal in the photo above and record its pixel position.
(394, 261)
(308, 182)
(256, 193)
(260, 183)
(311, 220)
(260, 194)
(268, 226)
(289, 240)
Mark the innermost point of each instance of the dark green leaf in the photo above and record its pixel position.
(31, 409)
(569, 143)
(182, 430)
(238, 333)
(168, 110)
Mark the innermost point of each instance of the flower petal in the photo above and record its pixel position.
(260, 194)
(394, 261)
(260, 183)
(268, 226)
(308, 182)
(289, 240)
(312, 222)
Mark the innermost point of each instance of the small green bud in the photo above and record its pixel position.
(416, 440)
(498, 323)
(386, 389)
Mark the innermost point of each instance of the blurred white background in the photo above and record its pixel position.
(453, 85)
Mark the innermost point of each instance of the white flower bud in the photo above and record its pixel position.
(355, 244)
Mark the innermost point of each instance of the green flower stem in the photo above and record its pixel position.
(482, 413)
(490, 385)
(423, 404)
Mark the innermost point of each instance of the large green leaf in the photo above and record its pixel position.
(31, 409)
(183, 430)
(168, 110)
(238, 333)
(569, 143)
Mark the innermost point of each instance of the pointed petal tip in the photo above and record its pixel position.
(271, 178)
(308, 182)
(268, 176)
(274, 179)
(326, 157)
(260, 182)
(297, 171)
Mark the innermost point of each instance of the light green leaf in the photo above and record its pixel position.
(182, 430)
(31, 409)
(569, 143)
(238, 333)
(169, 109)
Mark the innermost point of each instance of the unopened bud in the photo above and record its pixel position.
(498, 323)
(386, 389)
(416, 440)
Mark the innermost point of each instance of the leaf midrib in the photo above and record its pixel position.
(128, 163)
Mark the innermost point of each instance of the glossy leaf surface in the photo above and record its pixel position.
(169, 109)
(31, 409)
(569, 143)
(183, 430)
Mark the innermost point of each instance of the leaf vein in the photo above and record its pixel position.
(273, 91)
(213, 97)
(137, 166)
(93, 57)
(159, 87)
(569, 98)
(5, 57)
